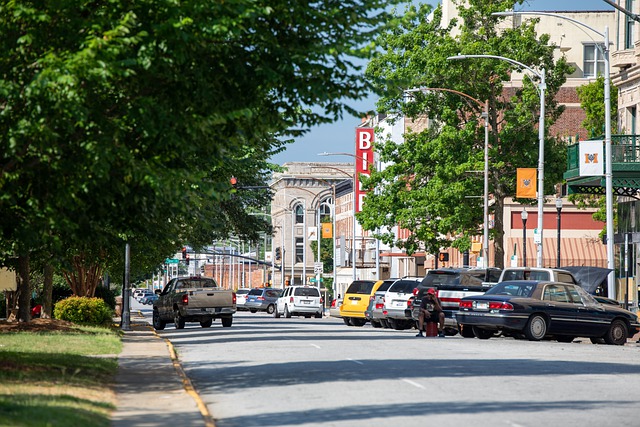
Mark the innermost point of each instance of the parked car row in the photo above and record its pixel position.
(292, 301)
(534, 303)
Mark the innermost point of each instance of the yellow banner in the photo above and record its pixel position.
(327, 230)
(526, 183)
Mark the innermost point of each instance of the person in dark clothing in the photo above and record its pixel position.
(431, 311)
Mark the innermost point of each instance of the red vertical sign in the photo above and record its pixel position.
(364, 158)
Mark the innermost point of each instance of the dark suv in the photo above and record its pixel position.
(452, 284)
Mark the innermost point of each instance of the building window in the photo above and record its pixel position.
(628, 36)
(593, 60)
(299, 212)
(299, 249)
(325, 211)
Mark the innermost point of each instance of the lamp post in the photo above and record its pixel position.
(524, 217)
(607, 134)
(485, 116)
(541, 88)
(558, 209)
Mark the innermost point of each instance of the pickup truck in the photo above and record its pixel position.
(193, 299)
(537, 273)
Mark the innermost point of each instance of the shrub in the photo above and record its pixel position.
(84, 311)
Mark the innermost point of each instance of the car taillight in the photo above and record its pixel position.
(290, 300)
(371, 298)
(466, 304)
(185, 299)
(260, 298)
(415, 291)
(235, 298)
(500, 306)
(410, 302)
(379, 306)
(321, 300)
(333, 303)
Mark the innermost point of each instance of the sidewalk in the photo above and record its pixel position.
(151, 389)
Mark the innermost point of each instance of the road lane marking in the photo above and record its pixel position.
(315, 345)
(355, 361)
(413, 383)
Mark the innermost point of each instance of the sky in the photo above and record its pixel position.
(340, 136)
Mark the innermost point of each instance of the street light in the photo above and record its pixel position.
(607, 133)
(485, 116)
(558, 209)
(524, 216)
(541, 88)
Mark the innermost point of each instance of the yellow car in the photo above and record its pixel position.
(356, 301)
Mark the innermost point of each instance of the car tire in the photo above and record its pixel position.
(466, 331)
(617, 333)
(536, 328)
(385, 323)
(158, 323)
(178, 320)
(276, 313)
(270, 309)
(253, 310)
(227, 322)
(565, 339)
(483, 334)
(206, 323)
(347, 321)
(319, 315)
(358, 322)
(287, 313)
(376, 324)
(398, 326)
(597, 340)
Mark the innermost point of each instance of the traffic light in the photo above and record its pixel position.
(184, 253)
(233, 181)
(187, 260)
(278, 254)
(443, 257)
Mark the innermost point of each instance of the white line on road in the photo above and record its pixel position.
(355, 361)
(413, 383)
(315, 345)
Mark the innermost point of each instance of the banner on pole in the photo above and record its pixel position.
(526, 183)
(591, 155)
(327, 230)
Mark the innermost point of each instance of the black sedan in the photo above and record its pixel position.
(539, 309)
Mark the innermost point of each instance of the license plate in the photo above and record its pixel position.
(354, 302)
(482, 305)
(398, 304)
(306, 301)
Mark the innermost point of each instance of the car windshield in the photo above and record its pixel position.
(525, 275)
(242, 291)
(255, 292)
(435, 278)
(360, 287)
(523, 289)
(306, 292)
(196, 283)
(403, 286)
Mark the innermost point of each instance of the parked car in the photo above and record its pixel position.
(149, 299)
(300, 301)
(539, 309)
(334, 310)
(397, 302)
(451, 285)
(374, 310)
(356, 301)
(537, 273)
(241, 298)
(262, 299)
(145, 293)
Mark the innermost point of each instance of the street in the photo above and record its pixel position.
(318, 372)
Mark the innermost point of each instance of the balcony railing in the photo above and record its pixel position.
(624, 149)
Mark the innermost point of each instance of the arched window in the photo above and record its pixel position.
(299, 212)
(325, 210)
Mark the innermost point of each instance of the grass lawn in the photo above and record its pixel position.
(58, 378)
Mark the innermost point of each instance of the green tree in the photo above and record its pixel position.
(122, 122)
(591, 96)
(428, 189)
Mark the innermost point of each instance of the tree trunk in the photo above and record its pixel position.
(47, 292)
(24, 289)
(84, 279)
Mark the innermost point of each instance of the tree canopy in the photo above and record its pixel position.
(428, 186)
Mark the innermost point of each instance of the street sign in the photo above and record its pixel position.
(171, 261)
(313, 280)
(317, 268)
(537, 238)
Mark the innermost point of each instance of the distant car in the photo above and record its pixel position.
(241, 298)
(397, 303)
(356, 301)
(539, 309)
(262, 299)
(148, 299)
(145, 293)
(299, 301)
(334, 310)
(374, 312)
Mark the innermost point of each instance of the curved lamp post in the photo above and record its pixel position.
(607, 132)
(485, 116)
(541, 88)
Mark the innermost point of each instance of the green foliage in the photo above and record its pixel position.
(428, 187)
(84, 311)
(107, 295)
(591, 97)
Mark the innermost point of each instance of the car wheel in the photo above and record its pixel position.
(178, 320)
(617, 333)
(227, 321)
(276, 313)
(395, 324)
(483, 334)
(206, 323)
(347, 321)
(253, 310)
(536, 328)
(270, 309)
(376, 324)
(565, 339)
(597, 340)
(358, 322)
(466, 331)
(158, 324)
(319, 315)
(287, 313)
(385, 324)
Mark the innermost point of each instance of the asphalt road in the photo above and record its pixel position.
(318, 372)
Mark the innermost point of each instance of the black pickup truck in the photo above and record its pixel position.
(452, 284)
